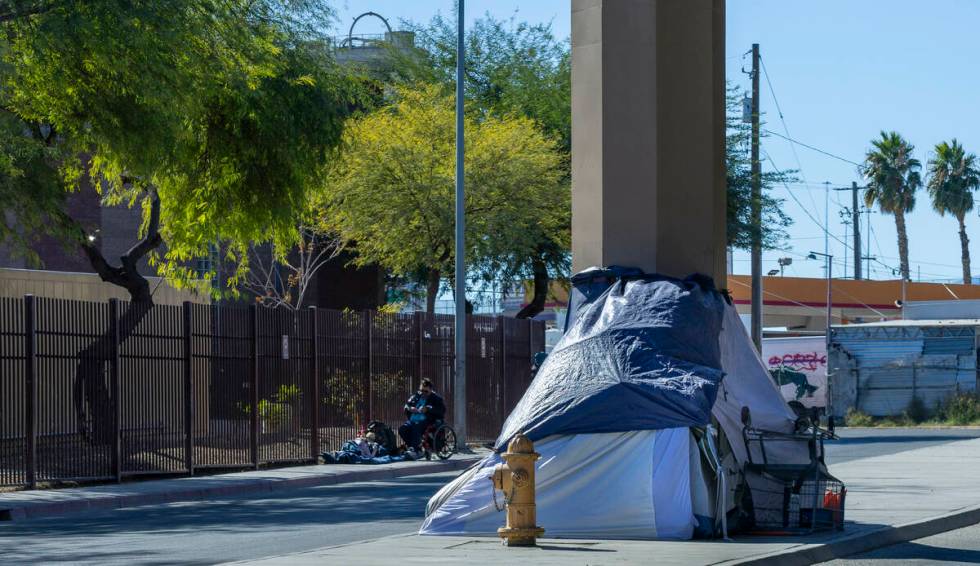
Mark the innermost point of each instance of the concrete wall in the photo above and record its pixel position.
(879, 370)
(648, 124)
(83, 287)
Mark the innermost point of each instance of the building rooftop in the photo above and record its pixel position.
(911, 322)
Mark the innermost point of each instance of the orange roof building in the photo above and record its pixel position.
(799, 303)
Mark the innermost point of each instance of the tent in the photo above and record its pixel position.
(637, 415)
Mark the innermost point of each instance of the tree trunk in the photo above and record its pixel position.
(903, 244)
(431, 291)
(965, 251)
(92, 398)
(542, 281)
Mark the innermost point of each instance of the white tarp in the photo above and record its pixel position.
(630, 485)
(747, 384)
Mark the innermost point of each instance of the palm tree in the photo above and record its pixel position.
(893, 177)
(953, 176)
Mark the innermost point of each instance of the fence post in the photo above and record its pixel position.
(530, 340)
(369, 318)
(30, 386)
(188, 388)
(315, 417)
(502, 329)
(420, 333)
(116, 390)
(254, 389)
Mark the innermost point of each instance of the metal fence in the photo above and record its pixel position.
(881, 370)
(101, 391)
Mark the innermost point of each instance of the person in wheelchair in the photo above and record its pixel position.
(422, 409)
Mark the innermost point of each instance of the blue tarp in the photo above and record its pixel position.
(640, 352)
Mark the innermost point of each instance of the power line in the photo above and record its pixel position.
(780, 297)
(818, 150)
(803, 208)
(782, 120)
(826, 231)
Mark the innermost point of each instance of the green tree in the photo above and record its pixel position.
(390, 195)
(183, 107)
(512, 68)
(893, 178)
(215, 116)
(738, 140)
(953, 177)
(30, 188)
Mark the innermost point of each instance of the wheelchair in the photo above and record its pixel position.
(440, 439)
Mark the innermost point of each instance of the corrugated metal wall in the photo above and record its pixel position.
(898, 363)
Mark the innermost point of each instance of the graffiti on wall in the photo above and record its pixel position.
(799, 368)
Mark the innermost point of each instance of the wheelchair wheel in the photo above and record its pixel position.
(444, 442)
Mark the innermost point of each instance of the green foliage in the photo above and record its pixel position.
(854, 417)
(344, 392)
(272, 412)
(280, 408)
(511, 68)
(290, 394)
(738, 144)
(228, 108)
(892, 173)
(893, 179)
(953, 177)
(30, 188)
(960, 409)
(390, 194)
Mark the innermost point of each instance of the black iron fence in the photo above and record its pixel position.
(102, 391)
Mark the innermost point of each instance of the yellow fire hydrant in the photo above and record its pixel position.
(516, 479)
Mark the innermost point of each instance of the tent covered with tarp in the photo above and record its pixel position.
(638, 417)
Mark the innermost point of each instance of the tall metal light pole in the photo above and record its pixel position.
(459, 384)
(756, 209)
(830, 265)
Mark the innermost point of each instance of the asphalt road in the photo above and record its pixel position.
(955, 547)
(225, 529)
(857, 443)
(238, 528)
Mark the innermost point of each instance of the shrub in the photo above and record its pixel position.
(855, 417)
(961, 409)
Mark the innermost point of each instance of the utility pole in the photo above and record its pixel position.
(830, 302)
(867, 255)
(857, 230)
(845, 215)
(756, 208)
(826, 218)
(459, 384)
(855, 214)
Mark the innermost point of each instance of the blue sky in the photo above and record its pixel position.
(841, 71)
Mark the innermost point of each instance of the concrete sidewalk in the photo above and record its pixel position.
(22, 505)
(890, 498)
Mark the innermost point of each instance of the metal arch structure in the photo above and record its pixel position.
(350, 32)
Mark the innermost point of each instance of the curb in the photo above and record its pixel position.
(36, 510)
(864, 542)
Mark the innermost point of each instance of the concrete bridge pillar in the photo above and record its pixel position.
(648, 135)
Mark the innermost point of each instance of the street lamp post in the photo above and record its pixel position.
(459, 383)
(830, 264)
